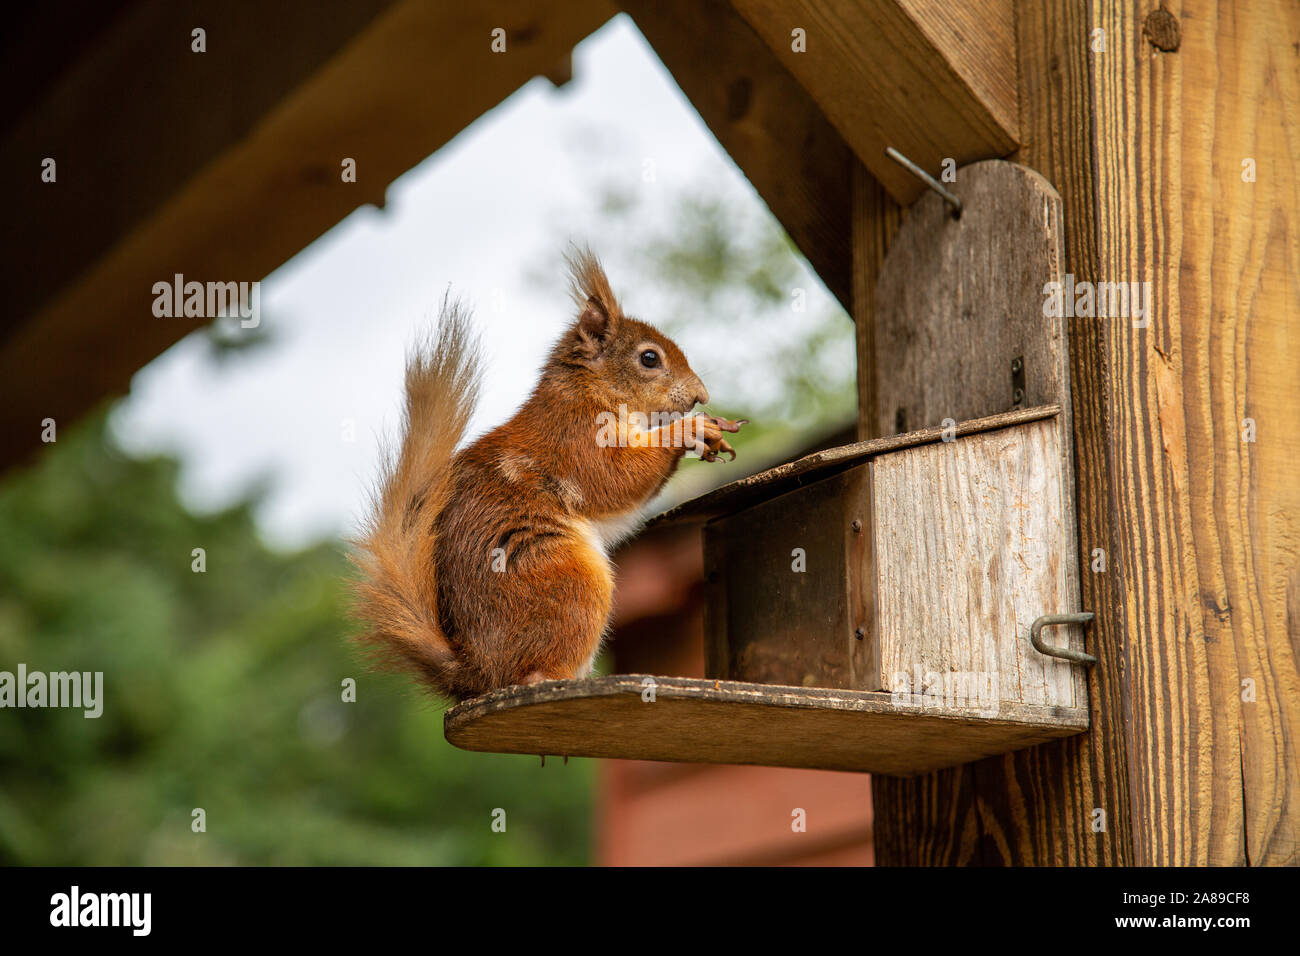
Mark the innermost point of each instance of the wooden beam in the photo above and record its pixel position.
(234, 201)
(43, 40)
(765, 121)
(126, 140)
(933, 79)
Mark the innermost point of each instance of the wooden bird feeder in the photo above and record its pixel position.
(876, 606)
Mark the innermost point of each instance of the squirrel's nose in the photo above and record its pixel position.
(701, 393)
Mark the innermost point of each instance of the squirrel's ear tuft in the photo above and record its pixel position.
(587, 283)
(599, 313)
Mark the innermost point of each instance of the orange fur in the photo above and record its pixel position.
(486, 568)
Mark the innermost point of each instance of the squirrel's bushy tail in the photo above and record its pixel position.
(396, 591)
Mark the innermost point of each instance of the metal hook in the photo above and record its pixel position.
(950, 198)
(1047, 620)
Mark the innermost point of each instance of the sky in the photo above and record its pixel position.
(305, 415)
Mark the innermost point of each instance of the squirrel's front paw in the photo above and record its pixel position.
(708, 441)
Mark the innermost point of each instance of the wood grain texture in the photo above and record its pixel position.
(764, 119)
(1039, 806)
(100, 116)
(1209, 545)
(958, 547)
(958, 299)
(729, 722)
(781, 576)
(902, 74)
(1200, 527)
(978, 40)
(876, 220)
(743, 492)
(972, 544)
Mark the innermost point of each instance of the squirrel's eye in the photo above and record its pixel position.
(650, 358)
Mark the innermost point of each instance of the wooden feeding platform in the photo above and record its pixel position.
(696, 720)
(881, 606)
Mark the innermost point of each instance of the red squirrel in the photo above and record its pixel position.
(490, 566)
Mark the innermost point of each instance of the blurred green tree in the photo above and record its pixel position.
(223, 691)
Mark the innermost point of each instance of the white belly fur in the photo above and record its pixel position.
(601, 536)
(605, 533)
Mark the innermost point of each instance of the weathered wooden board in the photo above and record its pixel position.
(972, 544)
(982, 813)
(876, 218)
(960, 331)
(730, 722)
(744, 492)
(778, 609)
(958, 300)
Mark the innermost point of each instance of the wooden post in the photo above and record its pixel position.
(1165, 132)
